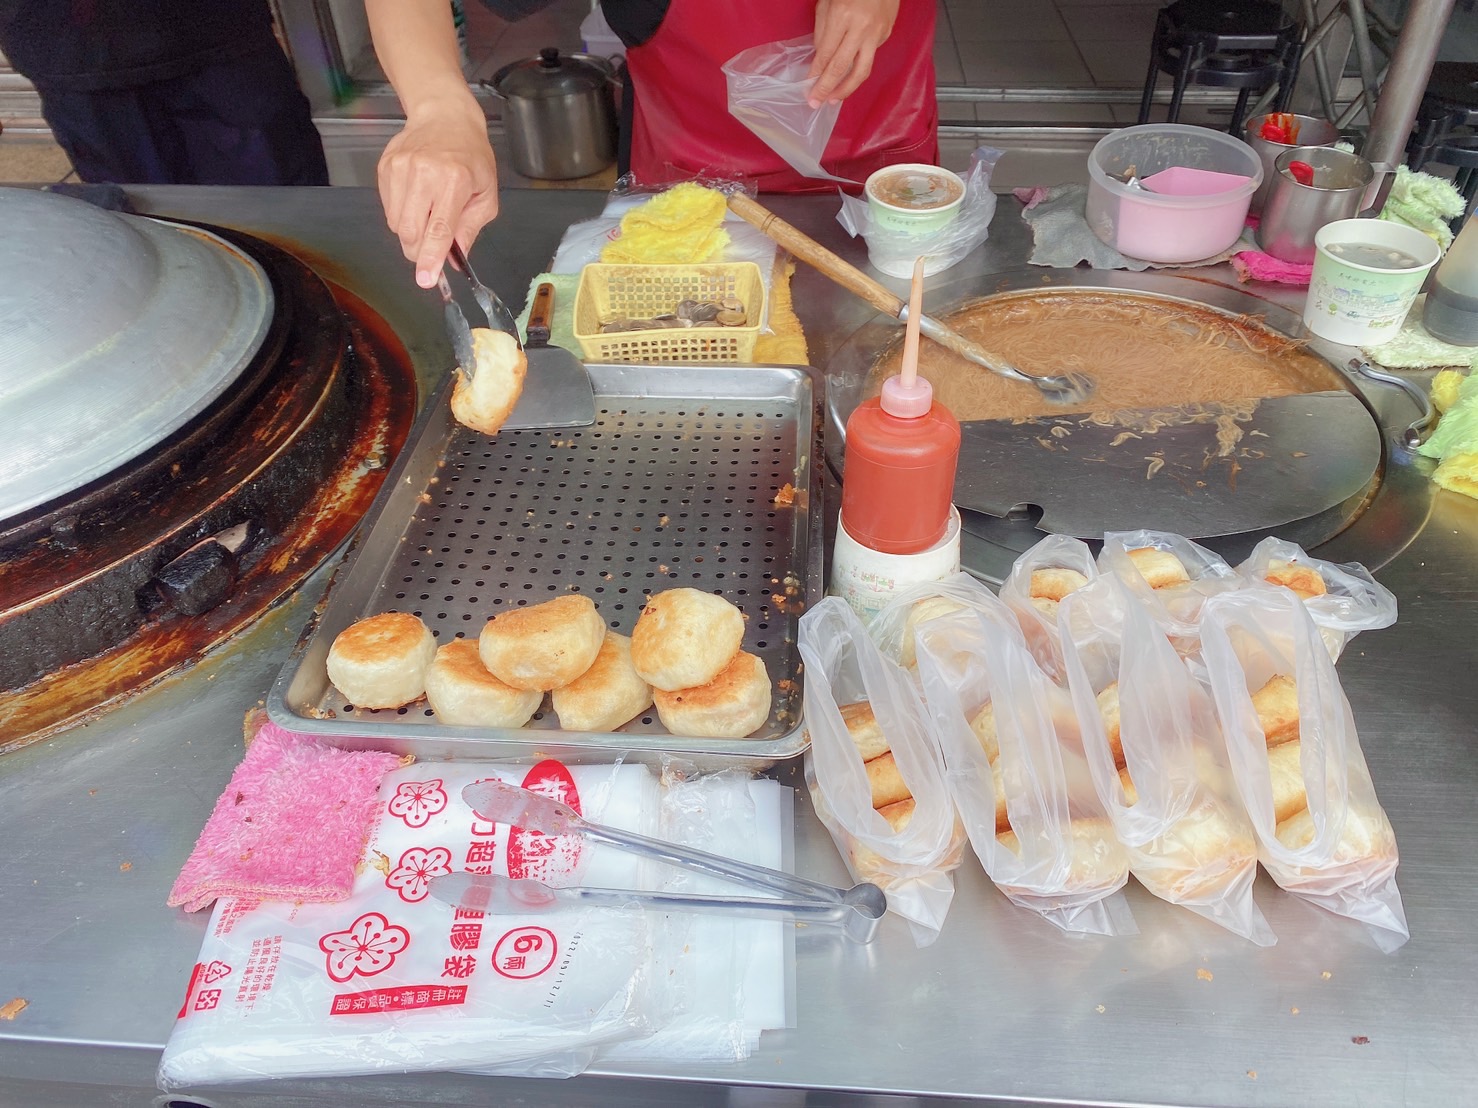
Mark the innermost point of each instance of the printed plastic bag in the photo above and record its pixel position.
(769, 92)
(1343, 599)
(1157, 758)
(1014, 768)
(1322, 834)
(1170, 575)
(1039, 580)
(914, 863)
(894, 252)
(394, 980)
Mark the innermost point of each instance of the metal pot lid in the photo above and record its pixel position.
(115, 331)
(551, 74)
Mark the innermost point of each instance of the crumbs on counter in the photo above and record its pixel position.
(1359, 1040)
(786, 496)
(13, 1008)
(124, 867)
(1203, 975)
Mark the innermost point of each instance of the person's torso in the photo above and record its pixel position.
(91, 45)
(682, 123)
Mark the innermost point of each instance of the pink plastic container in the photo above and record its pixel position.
(1183, 222)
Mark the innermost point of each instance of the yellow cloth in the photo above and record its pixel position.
(680, 226)
(785, 343)
(1444, 389)
(1459, 473)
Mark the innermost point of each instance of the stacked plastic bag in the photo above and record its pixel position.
(394, 980)
(1152, 712)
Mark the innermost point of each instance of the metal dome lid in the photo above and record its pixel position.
(115, 332)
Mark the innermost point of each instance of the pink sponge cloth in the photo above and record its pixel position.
(1254, 265)
(291, 824)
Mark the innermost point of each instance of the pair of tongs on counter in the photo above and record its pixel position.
(498, 316)
(857, 911)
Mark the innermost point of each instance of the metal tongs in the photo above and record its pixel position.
(499, 318)
(857, 910)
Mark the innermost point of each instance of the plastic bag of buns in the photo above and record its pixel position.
(1014, 767)
(1321, 832)
(1039, 580)
(1170, 575)
(1343, 599)
(874, 770)
(1158, 761)
(893, 629)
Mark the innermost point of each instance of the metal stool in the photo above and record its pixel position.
(1249, 45)
(1445, 124)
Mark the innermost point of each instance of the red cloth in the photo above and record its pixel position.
(682, 127)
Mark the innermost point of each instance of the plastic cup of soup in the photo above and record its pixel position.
(1367, 273)
(913, 199)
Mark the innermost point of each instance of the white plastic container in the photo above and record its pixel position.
(868, 579)
(1156, 227)
(598, 37)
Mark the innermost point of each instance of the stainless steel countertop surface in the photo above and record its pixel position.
(1003, 1007)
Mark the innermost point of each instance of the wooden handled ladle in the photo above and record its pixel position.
(1061, 388)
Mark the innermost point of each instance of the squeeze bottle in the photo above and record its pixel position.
(898, 474)
(1451, 313)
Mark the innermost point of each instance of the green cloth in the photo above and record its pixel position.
(562, 328)
(1457, 433)
(1425, 202)
(1415, 348)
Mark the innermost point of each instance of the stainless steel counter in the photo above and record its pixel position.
(96, 823)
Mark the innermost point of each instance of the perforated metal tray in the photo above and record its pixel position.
(674, 485)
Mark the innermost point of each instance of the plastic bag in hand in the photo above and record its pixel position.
(1343, 599)
(1321, 832)
(913, 864)
(770, 91)
(1170, 575)
(1014, 767)
(1039, 580)
(1157, 759)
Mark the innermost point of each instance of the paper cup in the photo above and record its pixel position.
(867, 579)
(911, 177)
(1363, 305)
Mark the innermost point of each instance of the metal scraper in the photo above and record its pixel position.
(1277, 460)
(556, 390)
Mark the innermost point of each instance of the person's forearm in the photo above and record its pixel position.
(417, 47)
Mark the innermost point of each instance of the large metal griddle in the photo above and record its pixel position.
(1305, 467)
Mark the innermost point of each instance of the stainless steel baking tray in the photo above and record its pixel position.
(674, 485)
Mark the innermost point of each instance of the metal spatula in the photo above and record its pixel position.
(557, 391)
(857, 910)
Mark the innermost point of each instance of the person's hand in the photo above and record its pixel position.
(848, 34)
(438, 181)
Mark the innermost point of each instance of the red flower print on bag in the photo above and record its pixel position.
(368, 947)
(417, 801)
(411, 879)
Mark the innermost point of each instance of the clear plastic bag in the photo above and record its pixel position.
(915, 865)
(1175, 606)
(1175, 808)
(1343, 599)
(893, 629)
(1035, 604)
(1015, 770)
(894, 252)
(1338, 851)
(769, 92)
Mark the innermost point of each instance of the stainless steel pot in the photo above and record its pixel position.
(560, 114)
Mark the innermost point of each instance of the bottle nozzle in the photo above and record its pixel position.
(908, 395)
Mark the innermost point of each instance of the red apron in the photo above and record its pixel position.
(682, 127)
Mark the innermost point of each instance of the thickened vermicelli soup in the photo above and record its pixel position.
(1143, 352)
(1372, 256)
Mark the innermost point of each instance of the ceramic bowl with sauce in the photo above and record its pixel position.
(914, 199)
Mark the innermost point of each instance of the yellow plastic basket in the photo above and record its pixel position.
(645, 291)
